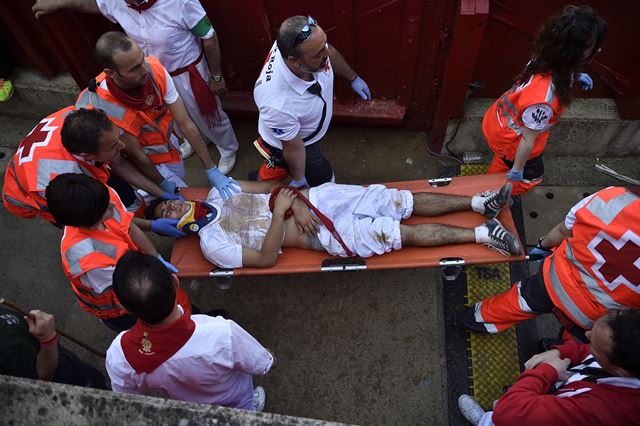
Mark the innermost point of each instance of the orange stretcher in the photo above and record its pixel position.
(188, 258)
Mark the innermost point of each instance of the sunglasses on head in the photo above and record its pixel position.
(305, 32)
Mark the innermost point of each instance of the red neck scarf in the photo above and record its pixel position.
(146, 348)
(142, 98)
(143, 6)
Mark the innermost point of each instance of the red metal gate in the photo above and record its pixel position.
(418, 56)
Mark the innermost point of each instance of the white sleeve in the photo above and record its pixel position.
(105, 7)
(217, 249)
(248, 354)
(192, 13)
(537, 116)
(98, 279)
(172, 94)
(119, 369)
(282, 125)
(570, 219)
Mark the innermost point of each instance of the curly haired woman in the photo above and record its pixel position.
(517, 125)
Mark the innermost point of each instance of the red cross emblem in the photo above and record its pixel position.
(617, 261)
(39, 136)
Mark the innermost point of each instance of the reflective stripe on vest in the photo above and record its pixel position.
(567, 303)
(19, 204)
(88, 98)
(551, 93)
(609, 210)
(46, 168)
(25, 193)
(116, 216)
(590, 283)
(94, 306)
(84, 248)
(509, 111)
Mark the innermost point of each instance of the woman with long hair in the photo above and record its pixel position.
(517, 125)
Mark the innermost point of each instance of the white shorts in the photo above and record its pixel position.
(367, 218)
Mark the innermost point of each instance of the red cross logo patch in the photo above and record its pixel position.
(39, 136)
(617, 261)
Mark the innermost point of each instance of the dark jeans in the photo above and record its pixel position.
(72, 371)
(317, 167)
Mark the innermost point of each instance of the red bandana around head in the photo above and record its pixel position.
(146, 348)
(142, 98)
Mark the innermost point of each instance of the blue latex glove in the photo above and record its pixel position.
(302, 183)
(168, 186)
(166, 195)
(538, 254)
(225, 185)
(585, 79)
(360, 87)
(515, 175)
(169, 266)
(166, 227)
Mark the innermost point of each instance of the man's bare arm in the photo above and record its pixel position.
(129, 173)
(45, 7)
(340, 65)
(139, 159)
(295, 155)
(191, 132)
(211, 48)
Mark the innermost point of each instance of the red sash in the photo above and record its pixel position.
(206, 100)
(146, 97)
(325, 220)
(142, 6)
(146, 347)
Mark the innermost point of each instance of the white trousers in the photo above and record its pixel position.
(222, 135)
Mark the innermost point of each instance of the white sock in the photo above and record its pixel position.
(477, 204)
(482, 234)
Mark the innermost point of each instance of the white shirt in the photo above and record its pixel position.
(164, 30)
(286, 108)
(215, 366)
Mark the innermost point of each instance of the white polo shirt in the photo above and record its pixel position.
(286, 108)
(163, 30)
(215, 366)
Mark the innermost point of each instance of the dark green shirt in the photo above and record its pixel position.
(18, 348)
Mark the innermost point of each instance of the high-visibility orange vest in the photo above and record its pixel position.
(40, 158)
(152, 128)
(598, 268)
(84, 249)
(502, 124)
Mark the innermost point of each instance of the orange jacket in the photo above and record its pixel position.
(40, 158)
(598, 268)
(85, 249)
(503, 125)
(152, 128)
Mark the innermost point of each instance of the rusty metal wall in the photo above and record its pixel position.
(406, 50)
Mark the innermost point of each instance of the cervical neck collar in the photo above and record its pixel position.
(199, 215)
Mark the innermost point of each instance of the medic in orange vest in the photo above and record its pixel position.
(44, 154)
(98, 231)
(139, 96)
(592, 264)
(517, 125)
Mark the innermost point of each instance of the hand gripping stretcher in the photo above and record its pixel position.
(188, 258)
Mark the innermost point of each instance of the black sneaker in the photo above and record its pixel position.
(494, 201)
(501, 240)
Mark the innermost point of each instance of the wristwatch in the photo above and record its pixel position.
(217, 78)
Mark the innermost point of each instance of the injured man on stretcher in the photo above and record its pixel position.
(243, 232)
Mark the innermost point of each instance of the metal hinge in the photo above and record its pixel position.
(439, 182)
(341, 265)
(451, 267)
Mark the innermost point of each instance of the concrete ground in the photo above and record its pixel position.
(357, 347)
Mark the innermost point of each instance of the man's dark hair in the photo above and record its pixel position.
(82, 130)
(288, 35)
(150, 209)
(77, 200)
(560, 44)
(625, 339)
(107, 45)
(144, 287)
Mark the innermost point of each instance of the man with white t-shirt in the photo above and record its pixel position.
(294, 95)
(195, 358)
(180, 35)
(139, 96)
